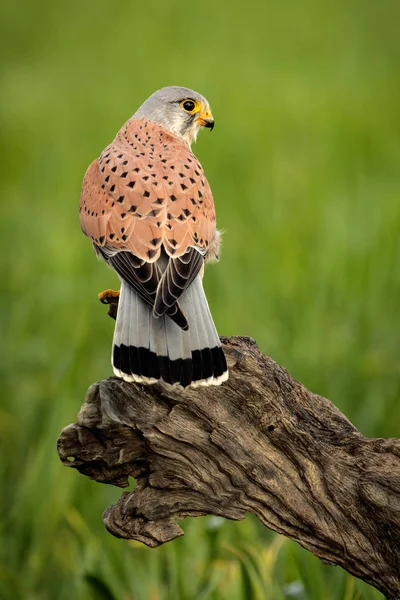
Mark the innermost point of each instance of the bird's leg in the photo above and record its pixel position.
(107, 297)
(111, 298)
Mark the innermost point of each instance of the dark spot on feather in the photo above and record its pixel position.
(107, 179)
(124, 237)
(192, 180)
(124, 174)
(155, 212)
(200, 194)
(182, 175)
(150, 166)
(158, 201)
(132, 208)
(113, 169)
(146, 194)
(120, 156)
(122, 228)
(165, 177)
(173, 242)
(125, 162)
(145, 177)
(136, 169)
(186, 211)
(112, 236)
(131, 184)
(173, 198)
(183, 186)
(121, 199)
(112, 188)
(155, 241)
(123, 215)
(151, 253)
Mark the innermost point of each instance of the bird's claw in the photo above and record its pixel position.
(107, 296)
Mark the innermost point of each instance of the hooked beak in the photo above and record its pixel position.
(205, 119)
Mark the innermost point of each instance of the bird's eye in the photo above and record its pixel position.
(188, 105)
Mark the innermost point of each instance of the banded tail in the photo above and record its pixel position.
(147, 349)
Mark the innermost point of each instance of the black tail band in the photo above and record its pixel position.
(205, 363)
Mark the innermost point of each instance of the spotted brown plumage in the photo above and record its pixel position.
(149, 211)
(147, 190)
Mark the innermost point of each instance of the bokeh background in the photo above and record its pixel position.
(304, 166)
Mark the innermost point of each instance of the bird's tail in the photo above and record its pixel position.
(147, 349)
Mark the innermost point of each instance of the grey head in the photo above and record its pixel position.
(179, 110)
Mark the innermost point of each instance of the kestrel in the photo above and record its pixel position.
(149, 212)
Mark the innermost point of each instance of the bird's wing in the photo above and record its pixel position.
(147, 191)
(177, 277)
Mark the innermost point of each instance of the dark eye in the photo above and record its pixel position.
(188, 105)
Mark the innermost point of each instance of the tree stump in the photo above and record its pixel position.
(260, 443)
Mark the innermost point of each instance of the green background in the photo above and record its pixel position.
(304, 166)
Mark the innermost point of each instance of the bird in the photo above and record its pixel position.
(148, 209)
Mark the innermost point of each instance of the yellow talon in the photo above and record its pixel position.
(107, 295)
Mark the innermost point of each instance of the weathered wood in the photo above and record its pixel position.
(260, 443)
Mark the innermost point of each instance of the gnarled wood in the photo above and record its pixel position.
(260, 443)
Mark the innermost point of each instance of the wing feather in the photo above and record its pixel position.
(147, 200)
(177, 277)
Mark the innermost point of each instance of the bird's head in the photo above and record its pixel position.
(179, 110)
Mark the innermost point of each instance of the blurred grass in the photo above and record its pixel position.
(304, 168)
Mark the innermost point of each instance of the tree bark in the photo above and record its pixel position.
(260, 443)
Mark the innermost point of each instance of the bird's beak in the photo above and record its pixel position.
(205, 119)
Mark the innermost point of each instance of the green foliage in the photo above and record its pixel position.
(303, 163)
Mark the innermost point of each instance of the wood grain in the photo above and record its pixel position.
(260, 443)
